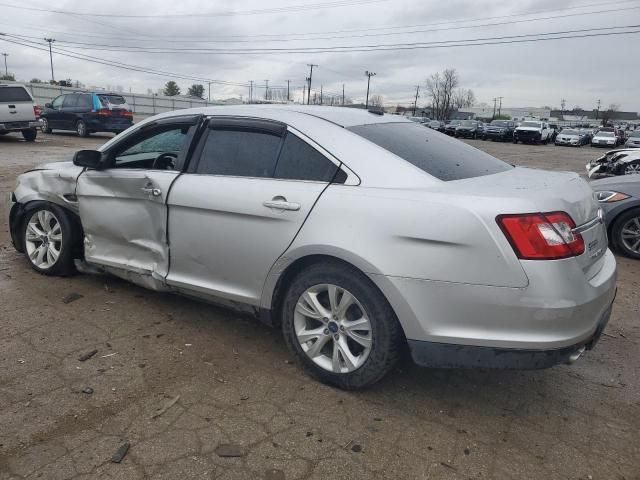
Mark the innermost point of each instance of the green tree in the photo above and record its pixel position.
(196, 90)
(171, 89)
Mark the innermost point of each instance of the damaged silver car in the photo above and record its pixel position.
(357, 233)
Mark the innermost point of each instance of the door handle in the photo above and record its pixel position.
(282, 205)
(156, 192)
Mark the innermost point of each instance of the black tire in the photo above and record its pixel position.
(69, 245)
(44, 125)
(616, 232)
(515, 140)
(30, 134)
(386, 332)
(81, 129)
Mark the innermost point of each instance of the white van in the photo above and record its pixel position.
(17, 111)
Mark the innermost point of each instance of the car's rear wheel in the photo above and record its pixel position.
(632, 168)
(340, 327)
(44, 125)
(50, 239)
(625, 233)
(82, 129)
(30, 134)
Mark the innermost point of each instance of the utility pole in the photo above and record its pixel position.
(6, 71)
(598, 109)
(563, 102)
(320, 94)
(250, 91)
(415, 102)
(51, 40)
(494, 109)
(343, 94)
(266, 90)
(369, 75)
(209, 95)
(311, 65)
(304, 90)
(288, 98)
(500, 106)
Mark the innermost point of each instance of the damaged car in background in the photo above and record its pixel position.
(357, 234)
(624, 161)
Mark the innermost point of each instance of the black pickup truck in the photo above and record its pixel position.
(500, 130)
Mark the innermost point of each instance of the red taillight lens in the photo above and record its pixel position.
(542, 236)
(37, 110)
(104, 112)
(127, 113)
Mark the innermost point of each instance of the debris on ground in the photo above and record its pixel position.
(71, 297)
(109, 355)
(120, 453)
(87, 390)
(86, 356)
(166, 407)
(229, 450)
(356, 448)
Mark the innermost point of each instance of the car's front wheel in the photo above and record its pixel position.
(625, 233)
(50, 239)
(82, 129)
(340, 327)
(44, 125)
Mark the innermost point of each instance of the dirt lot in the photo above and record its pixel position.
(225, 379)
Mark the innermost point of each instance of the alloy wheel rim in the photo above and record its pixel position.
(632, 169)
(631, 235)
(45, 124)
(333, 328)
(80, 128)
(43, 239)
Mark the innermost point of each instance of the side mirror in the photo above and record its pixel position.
(88, 158)
(48, 105)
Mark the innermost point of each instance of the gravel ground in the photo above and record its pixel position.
(183, 383)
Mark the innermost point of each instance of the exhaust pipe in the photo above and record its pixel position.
(575, 355)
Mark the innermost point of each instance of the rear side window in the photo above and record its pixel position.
(70, 101)
(14, 94)
(240, 153)
(107, 100)
(440, 156)
(300, 161)
(85, 101)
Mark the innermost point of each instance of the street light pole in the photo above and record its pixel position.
(6, 71)
(369, 75)
(51, 40)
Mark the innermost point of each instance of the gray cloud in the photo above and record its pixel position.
(525, 74)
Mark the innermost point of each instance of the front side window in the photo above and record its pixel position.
(57, 102)
(240, 153)
(299, 161)
(159, 150)
(436, 154)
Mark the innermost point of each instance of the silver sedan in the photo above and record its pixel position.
(355, 232)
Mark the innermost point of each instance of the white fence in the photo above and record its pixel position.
(141, 104)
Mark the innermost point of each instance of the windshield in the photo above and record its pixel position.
(606, 134)
(432, 152)
(454, 122)
(635, 134)
(468, 123)
(530, 124)
(569, 132)
(14, 94)
(500, 123)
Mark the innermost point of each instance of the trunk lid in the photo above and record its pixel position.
(524, 190)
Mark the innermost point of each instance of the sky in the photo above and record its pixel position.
(244, 40)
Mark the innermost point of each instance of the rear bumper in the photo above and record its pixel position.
(109, 124)
(442, 355)
(18, 126)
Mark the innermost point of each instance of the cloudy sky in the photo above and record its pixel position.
(244, 40)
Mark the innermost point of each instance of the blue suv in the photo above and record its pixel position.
(87, 113)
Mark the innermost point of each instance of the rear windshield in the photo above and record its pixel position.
(111, 99)
(14, 94)
(500, 123)
(430, 151)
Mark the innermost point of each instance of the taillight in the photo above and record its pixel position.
(37, 110)
(104, 112)
(127, 113)
(542, 236)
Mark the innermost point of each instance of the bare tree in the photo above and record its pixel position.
(463, 98)
(376, 100)
(441, 88)
(609, 113)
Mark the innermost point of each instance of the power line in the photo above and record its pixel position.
(354, 48)
(288, 9)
